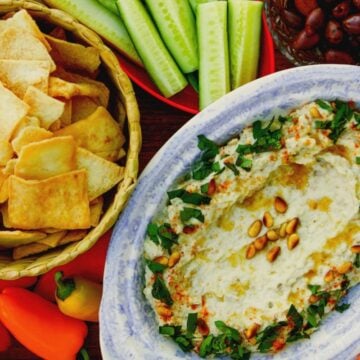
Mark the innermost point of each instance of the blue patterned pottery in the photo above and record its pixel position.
(127, 325)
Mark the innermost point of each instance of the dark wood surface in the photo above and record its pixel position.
(159, 122)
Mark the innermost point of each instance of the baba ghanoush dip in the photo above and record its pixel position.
(261, 239)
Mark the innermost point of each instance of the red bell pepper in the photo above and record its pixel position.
(89, 265)
(24, 282)
(5, 340)
(40, 326)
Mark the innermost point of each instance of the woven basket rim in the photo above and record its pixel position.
(42, 263)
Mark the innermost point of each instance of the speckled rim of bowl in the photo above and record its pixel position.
(127, 326)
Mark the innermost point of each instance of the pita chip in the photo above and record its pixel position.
(44, 107)
(19, 75)
(59, 202)
(46, 158)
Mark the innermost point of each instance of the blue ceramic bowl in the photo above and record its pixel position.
(127, 325)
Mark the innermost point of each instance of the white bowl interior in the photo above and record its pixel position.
(127, 326)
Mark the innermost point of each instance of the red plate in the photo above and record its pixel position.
(187, 99)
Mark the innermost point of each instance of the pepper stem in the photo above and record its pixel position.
(64, 288)
(83, 355)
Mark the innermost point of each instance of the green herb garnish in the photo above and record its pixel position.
(244, 163)
(342, 116)
(152, 232)
(155, 267)
(233, 168)
(206, 346)
(324, 105)
(209, 148)
(175, 332)
(201, 170)
(228, 331)
(319, 124)
(357, 261)
(294, 316)
(342, 307)
(266, 338)
(191, 323)
(160, 291)
(357, 159)
(163, 235)
(314, 288)
(167, 236)
(204, 188)
(188, 197)
(244, 149)
(188, 213)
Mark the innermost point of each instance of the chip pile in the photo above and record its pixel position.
(58, 143)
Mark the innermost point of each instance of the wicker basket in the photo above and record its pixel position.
(31, 266)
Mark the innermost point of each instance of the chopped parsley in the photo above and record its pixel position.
(357, 261)
(342, 116)
(314, 288)
(188, 197)
(342, 307)
(324, 105)
(204, 188)
(266, 337)
(233, 168)
(266, 139)
(295, 317)
(357, 160)
(155, 267)
(190, 213)
(244, 163)
(227, 343)
(208, 147)
(161, 292)
(191, 323)
(175, 332)
(162, 235)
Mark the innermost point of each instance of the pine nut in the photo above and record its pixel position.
(315, 112)
(163, 260)
(251, 331)
(280, 205)
(329, 276)
(163, 310)
(268, 220)
(255, 228)
(273, 253)
(313, 299)
(282, 230)
(344, 268)
(272, 235)
(291, 226)
(260, 242)
(250, 251)
(293, 241)
(174, 258)
(355, 249)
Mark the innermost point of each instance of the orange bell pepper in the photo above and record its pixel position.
(24, 282)
(89, 265)
(5, 340)
(40, 326)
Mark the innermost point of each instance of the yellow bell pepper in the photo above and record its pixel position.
(78, 297)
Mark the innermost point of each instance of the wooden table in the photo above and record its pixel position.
(158, 121)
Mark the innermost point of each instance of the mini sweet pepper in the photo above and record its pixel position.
(40, 326)
(78, 297)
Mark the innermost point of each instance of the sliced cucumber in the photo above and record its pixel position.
(110, 5)
(101, 20)
(214, 79)
(195, 3)
(155, 56)
(176, 24)
(244, 40)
